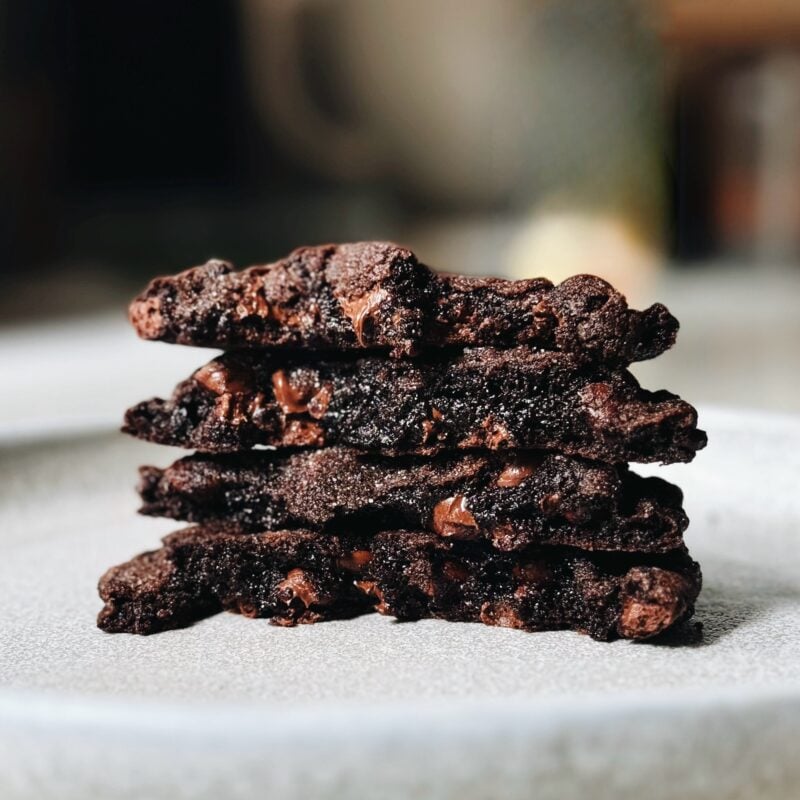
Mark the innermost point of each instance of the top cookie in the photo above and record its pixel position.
(377, 295)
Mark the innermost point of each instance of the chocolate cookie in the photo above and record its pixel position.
(377, 295)
(300, 577)
(537, 498)
(480, 399)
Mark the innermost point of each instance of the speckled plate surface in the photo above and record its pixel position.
(237, 708)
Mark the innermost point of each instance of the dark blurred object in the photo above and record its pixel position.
(105, 101)
(153, 95)
(32, 52)
(737, 99)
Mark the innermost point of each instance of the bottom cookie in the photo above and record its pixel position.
(297, 577)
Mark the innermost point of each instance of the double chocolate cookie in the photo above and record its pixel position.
(377, 295)
(511, 501)
(301, 577)
(480, 399)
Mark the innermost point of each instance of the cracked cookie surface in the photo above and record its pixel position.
(378, 295)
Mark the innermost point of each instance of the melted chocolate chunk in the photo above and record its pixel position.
(452, 518)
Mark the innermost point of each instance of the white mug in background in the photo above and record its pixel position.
(438, 87)
(463, 102)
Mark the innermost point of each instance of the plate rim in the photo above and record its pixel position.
(226, 720)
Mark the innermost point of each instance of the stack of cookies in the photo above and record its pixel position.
(377, 436)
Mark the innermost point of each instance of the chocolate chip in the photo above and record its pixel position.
(221, 379)
(371, 588)
(653, 599)
(360, 311)
(513, 475)
(355, 560)
(297, 585)
(451, 518)
(291, 399)
(318, 404)
(430, 426)
(501, 614)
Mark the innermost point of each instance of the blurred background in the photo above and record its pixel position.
(654, 143)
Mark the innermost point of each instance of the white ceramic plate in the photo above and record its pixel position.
(236, 708)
